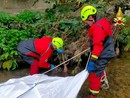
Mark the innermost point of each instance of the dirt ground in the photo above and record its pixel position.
(118, 73)
(119, 78)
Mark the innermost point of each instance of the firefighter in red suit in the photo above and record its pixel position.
(37, 51)
(102, 48)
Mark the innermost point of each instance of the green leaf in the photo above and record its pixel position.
(14, 65)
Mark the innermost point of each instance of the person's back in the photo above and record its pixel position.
(102, 31)
(105, 25)
(41, 44)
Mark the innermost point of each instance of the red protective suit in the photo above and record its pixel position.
(36, 52)
(44, 49)
(100, 34)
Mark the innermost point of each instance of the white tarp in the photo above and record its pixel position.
(43, 86)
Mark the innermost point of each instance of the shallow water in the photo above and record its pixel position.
(118, 73)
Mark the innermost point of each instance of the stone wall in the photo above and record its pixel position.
(16, 6)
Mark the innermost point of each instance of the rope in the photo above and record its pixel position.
(88, 59)
(26, 91)
(67, 60)
(38, 82)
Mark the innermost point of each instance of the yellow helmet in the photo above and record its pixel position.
(86, 11)
(58, 42)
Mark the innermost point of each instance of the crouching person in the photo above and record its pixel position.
(36, 52)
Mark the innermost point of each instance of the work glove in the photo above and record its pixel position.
(60, 51)
(90, 66)
(52, 66)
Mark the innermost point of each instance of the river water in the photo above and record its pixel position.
(118, 73)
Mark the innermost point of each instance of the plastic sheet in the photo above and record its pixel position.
(43, 86)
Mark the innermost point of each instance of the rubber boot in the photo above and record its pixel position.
(104, 85)
(104, 81)
(34, 69)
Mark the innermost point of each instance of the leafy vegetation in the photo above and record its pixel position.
(31, 24)
(124, 34)
(60, 20)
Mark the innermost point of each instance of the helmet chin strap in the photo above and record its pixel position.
(52, 46)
